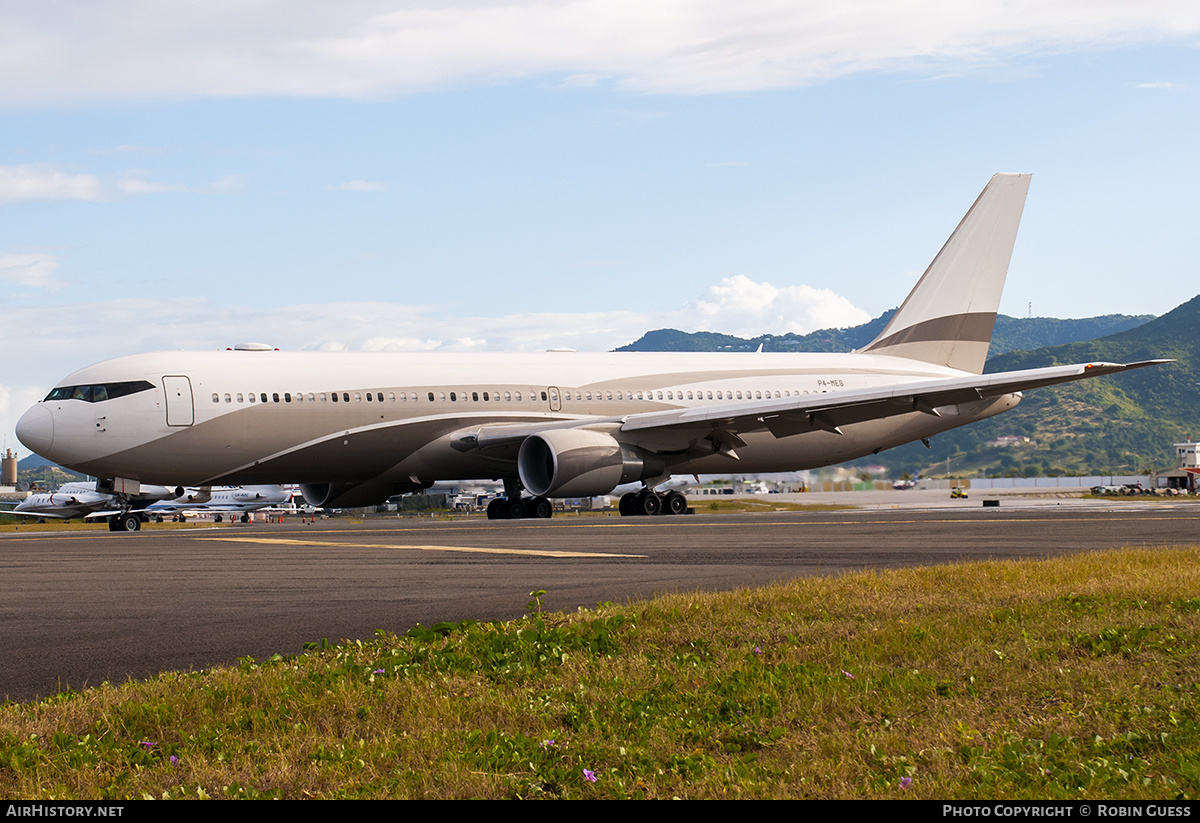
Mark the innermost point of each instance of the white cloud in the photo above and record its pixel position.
(737, 305)
(138, 184)
(135, 185)
(34, 269)
(38, 181)
(363, 48)
(360, 185)
(43, 181)
(740, 306)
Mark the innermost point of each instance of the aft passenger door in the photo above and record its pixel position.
(555, 401)
(178, 391)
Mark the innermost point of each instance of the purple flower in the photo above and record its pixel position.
(548, 743)
(758, 649)
(589, 775)
(905, 782)
(174, 760)
(146, 744)
(847, 674)
(377, 671)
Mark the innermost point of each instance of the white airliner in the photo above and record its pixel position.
(356, 428)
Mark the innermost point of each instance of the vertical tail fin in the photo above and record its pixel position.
(948, 317)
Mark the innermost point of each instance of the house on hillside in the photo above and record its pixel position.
(1005, 441)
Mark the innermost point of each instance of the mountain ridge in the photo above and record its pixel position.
(1010, 333)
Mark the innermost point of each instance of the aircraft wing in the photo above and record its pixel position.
(35, 514)
(826, 411)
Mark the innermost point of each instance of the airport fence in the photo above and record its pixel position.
(1070, 483)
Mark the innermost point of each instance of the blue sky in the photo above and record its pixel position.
(500, 175)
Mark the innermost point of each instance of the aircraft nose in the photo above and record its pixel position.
(36, 430)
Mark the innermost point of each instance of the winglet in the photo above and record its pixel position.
(948, 317)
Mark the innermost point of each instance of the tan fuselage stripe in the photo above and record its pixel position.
(418, 548)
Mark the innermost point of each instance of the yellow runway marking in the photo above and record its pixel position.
(418, 548)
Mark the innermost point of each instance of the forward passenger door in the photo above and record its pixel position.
(178, 391)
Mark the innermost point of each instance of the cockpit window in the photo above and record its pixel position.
(100, 393)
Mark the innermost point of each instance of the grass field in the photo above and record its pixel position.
(1076, 677)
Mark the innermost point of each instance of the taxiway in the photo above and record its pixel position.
(81, 608)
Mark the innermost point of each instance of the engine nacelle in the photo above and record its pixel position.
(581, 463)
(354, 495)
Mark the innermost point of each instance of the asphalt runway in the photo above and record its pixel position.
(81, 608)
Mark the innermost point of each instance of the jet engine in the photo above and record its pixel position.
(581, 463)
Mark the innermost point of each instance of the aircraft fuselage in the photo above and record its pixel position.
(237, 417)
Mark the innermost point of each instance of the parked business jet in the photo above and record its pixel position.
(83, 500)
(356, 428)
(233, 500)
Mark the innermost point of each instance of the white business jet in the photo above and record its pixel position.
(234, 501)
(356, 428)
(83, 500)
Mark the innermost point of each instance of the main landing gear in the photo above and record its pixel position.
(519, 508)
(648, 502)
(515, 507)
(127, 522)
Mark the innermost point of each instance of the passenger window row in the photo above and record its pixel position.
(476, 397)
